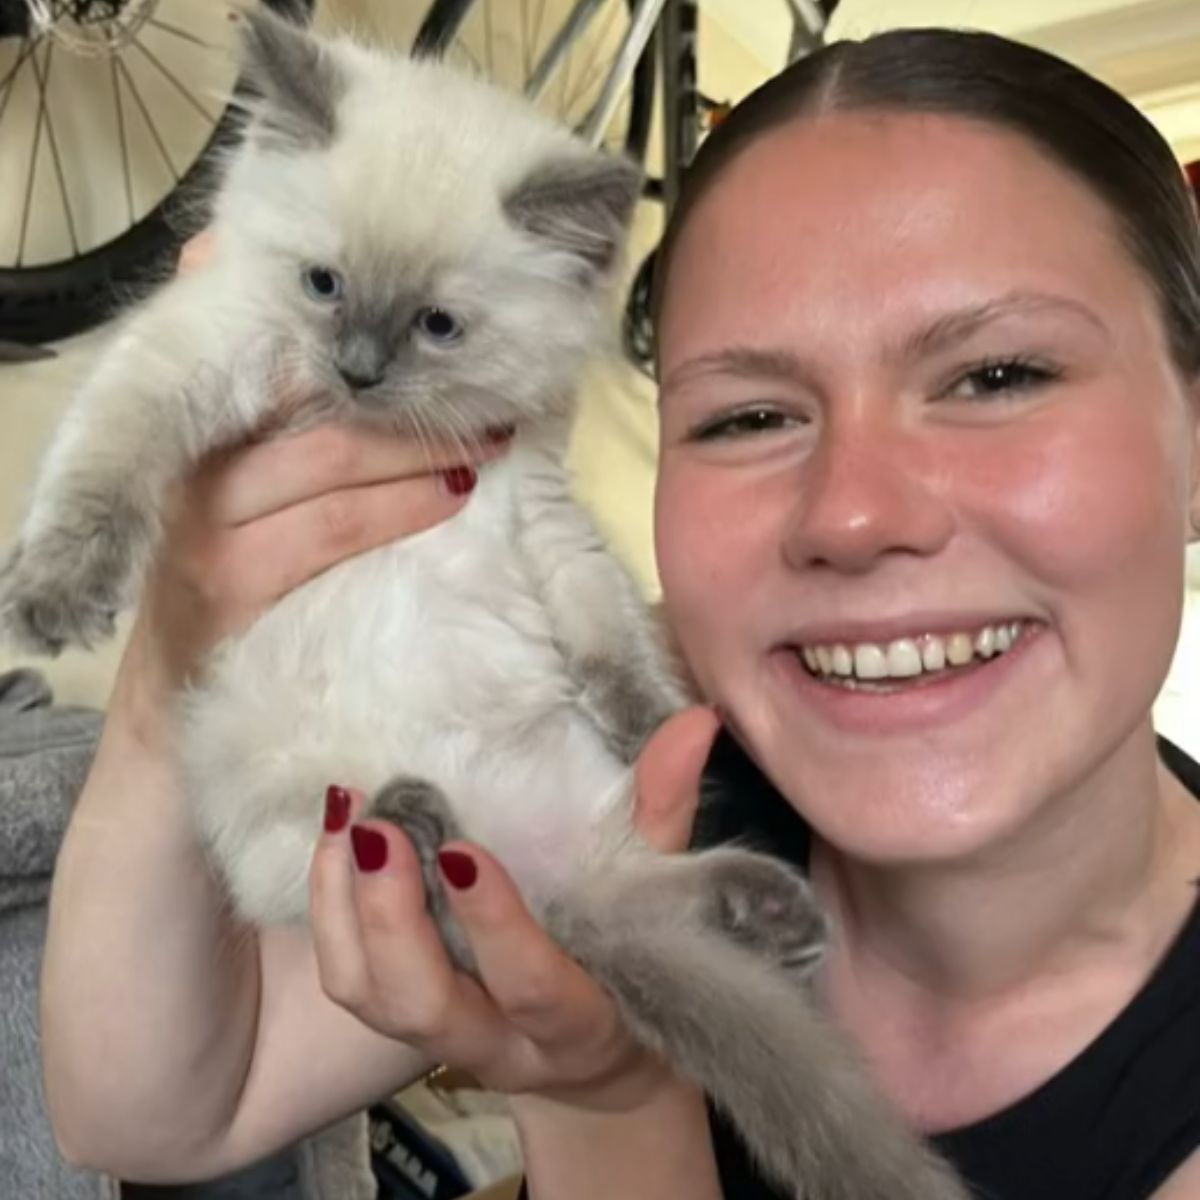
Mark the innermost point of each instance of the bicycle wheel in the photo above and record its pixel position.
(109, 133)
(559, 58)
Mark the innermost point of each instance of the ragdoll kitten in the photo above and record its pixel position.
(412, 249)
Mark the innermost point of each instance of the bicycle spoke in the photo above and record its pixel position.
(9, 79)
(561, 46)
(537, 31)
(175, 81)
(526, 58)
(590, 67)
(465, 49)
(58, 171)
(37, 141)
(137, 96)
(166, 27)
(487, 35)
(116, 82)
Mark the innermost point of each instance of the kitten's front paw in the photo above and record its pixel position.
(55, 595)
(420, 809)
(769, 908)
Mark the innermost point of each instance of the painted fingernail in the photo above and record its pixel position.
(370, 848)
(459, 480)
(458, 868)
(337, 808)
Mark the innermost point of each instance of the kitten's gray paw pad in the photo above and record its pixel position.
(46, 605)
(420, 810)
(770, 909)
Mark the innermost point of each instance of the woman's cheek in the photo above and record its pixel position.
(716, 542)
(1087, 502)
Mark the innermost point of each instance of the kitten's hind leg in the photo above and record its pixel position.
(421, 811)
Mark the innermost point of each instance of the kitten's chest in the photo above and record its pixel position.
(434, 657)
(448, 624)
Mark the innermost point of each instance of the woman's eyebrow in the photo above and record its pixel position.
(785, 365)
(745, 362)
(958, 325)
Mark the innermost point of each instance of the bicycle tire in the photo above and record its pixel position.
(444, 18)
(58, 300)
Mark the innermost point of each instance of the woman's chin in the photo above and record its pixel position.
(903, 810)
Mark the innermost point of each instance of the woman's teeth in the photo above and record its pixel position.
(908, 657)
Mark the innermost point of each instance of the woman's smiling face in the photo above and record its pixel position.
(917, 402)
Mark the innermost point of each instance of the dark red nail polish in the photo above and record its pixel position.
(370, 848)
(458, 868)
(337, 808)
(460, 480)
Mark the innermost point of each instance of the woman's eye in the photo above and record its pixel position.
(746, 423)
(1001, 378)
(438, 325)
(323, 283)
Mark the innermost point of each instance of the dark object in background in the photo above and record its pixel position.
(409, 1162)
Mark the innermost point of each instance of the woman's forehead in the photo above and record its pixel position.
(826, 217)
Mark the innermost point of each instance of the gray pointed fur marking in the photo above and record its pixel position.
(297, 77)
(583, 203)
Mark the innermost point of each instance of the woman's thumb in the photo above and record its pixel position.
(668, 778)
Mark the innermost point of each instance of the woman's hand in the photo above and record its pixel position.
(252, 525)
(538, 1024)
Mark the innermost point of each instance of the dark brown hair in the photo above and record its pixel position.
(1076, 120)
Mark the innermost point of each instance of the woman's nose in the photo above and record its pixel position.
(867, 493)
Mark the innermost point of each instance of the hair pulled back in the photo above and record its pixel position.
(1079, 122)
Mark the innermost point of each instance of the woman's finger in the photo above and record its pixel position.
(196, 251)
(416, 991)
(258, 480)
(341, 958)
(668, 778)
(539, 989)
(270, 557)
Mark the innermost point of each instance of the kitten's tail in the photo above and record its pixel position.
(790, 1084)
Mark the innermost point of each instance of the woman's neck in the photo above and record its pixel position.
(1053, 931)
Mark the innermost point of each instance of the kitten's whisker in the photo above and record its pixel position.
(465, 440)
(421, 429)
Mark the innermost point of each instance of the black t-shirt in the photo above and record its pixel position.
(1111, 1125)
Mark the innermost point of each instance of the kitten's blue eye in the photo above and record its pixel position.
(322, 283)
(438, 325)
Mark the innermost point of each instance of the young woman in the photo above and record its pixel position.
(930, 361)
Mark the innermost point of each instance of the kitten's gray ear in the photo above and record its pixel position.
(581, 203)
(296, 77)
